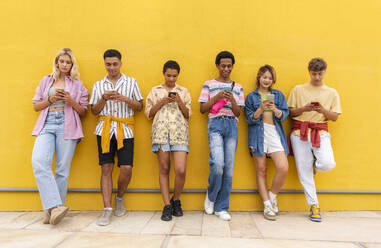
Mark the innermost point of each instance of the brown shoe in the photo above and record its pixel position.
(46, 216)
(57, 214)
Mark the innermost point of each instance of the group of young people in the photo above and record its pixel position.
(62, 99)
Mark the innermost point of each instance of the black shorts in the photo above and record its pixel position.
(125, 154)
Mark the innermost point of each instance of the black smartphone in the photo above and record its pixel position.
(171, 93)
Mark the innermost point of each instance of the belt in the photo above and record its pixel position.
(225, 117)
(56, 109)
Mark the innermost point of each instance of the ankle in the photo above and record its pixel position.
(267, 203)
(272, 196)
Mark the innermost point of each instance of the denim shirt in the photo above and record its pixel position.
(256, 132)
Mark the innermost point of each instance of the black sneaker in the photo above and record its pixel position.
(176, 208)
(167, 213)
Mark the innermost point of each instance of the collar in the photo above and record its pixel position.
(122, 78)
(161, 86)
(256, 91)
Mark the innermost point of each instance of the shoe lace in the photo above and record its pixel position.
(177, 203)
(167, 209)
(106, 213)
(314, 210)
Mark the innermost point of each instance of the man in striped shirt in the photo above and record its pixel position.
(222, 98)
(114, 99)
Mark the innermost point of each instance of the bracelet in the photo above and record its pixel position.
(49, 100)
(103, 97)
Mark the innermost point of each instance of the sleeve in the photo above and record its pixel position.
(250, 110)
(283, 107)
(187, 102)
(39, 96)
(292, 98)
(336, 107)
(136, 95)
(83, 100)
(95, 95)
(241, 98)
(149, 104)
(205, 94)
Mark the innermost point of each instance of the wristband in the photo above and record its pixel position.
(49, 100)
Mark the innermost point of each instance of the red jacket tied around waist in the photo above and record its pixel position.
(303, 126)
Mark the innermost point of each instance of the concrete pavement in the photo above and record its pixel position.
(346, 229)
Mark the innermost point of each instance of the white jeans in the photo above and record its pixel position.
(305, 156)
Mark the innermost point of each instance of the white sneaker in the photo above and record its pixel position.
(223, 215)
(208, 205)
(268, 213)
(105, 218)
(119, 207)
(274, 205)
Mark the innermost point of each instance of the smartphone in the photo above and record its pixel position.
(110, 92)
(227, 88)
(270, 97)
(171, 93)
(316, 104)
(60, 89)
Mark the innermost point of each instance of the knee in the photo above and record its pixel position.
(325, 165)
(181, 173)
(218, 169)
(261, 171)
(283, 170)
(107, 169)
(164, 168)
(39, 163)
(126, 170)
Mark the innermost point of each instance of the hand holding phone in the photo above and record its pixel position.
(316, 104)
(172, 93)
(109, 94)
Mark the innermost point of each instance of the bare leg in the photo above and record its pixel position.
(179, 164)
(124, 179)
(106, 184)
(164, 165)
(281, 165)
(260, 166)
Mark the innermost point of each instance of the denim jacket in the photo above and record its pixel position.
(256, 133)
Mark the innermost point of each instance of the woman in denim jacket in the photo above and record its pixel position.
(61, 100)
(265, 110)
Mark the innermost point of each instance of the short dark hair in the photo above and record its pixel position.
(262, 71)
(171, 64)
(317, 64)
(112, 53)
(224, 55)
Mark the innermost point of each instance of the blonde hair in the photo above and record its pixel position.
(74, 73)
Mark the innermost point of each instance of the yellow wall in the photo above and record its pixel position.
(285, 34)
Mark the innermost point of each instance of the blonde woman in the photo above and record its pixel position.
(61, 100)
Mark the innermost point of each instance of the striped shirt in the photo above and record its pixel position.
(212, 88)
(126, 86)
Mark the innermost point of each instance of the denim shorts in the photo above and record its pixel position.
(169, 148)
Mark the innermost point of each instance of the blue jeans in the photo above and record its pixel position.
(222, 146)
(52, 188)
(169, 148)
